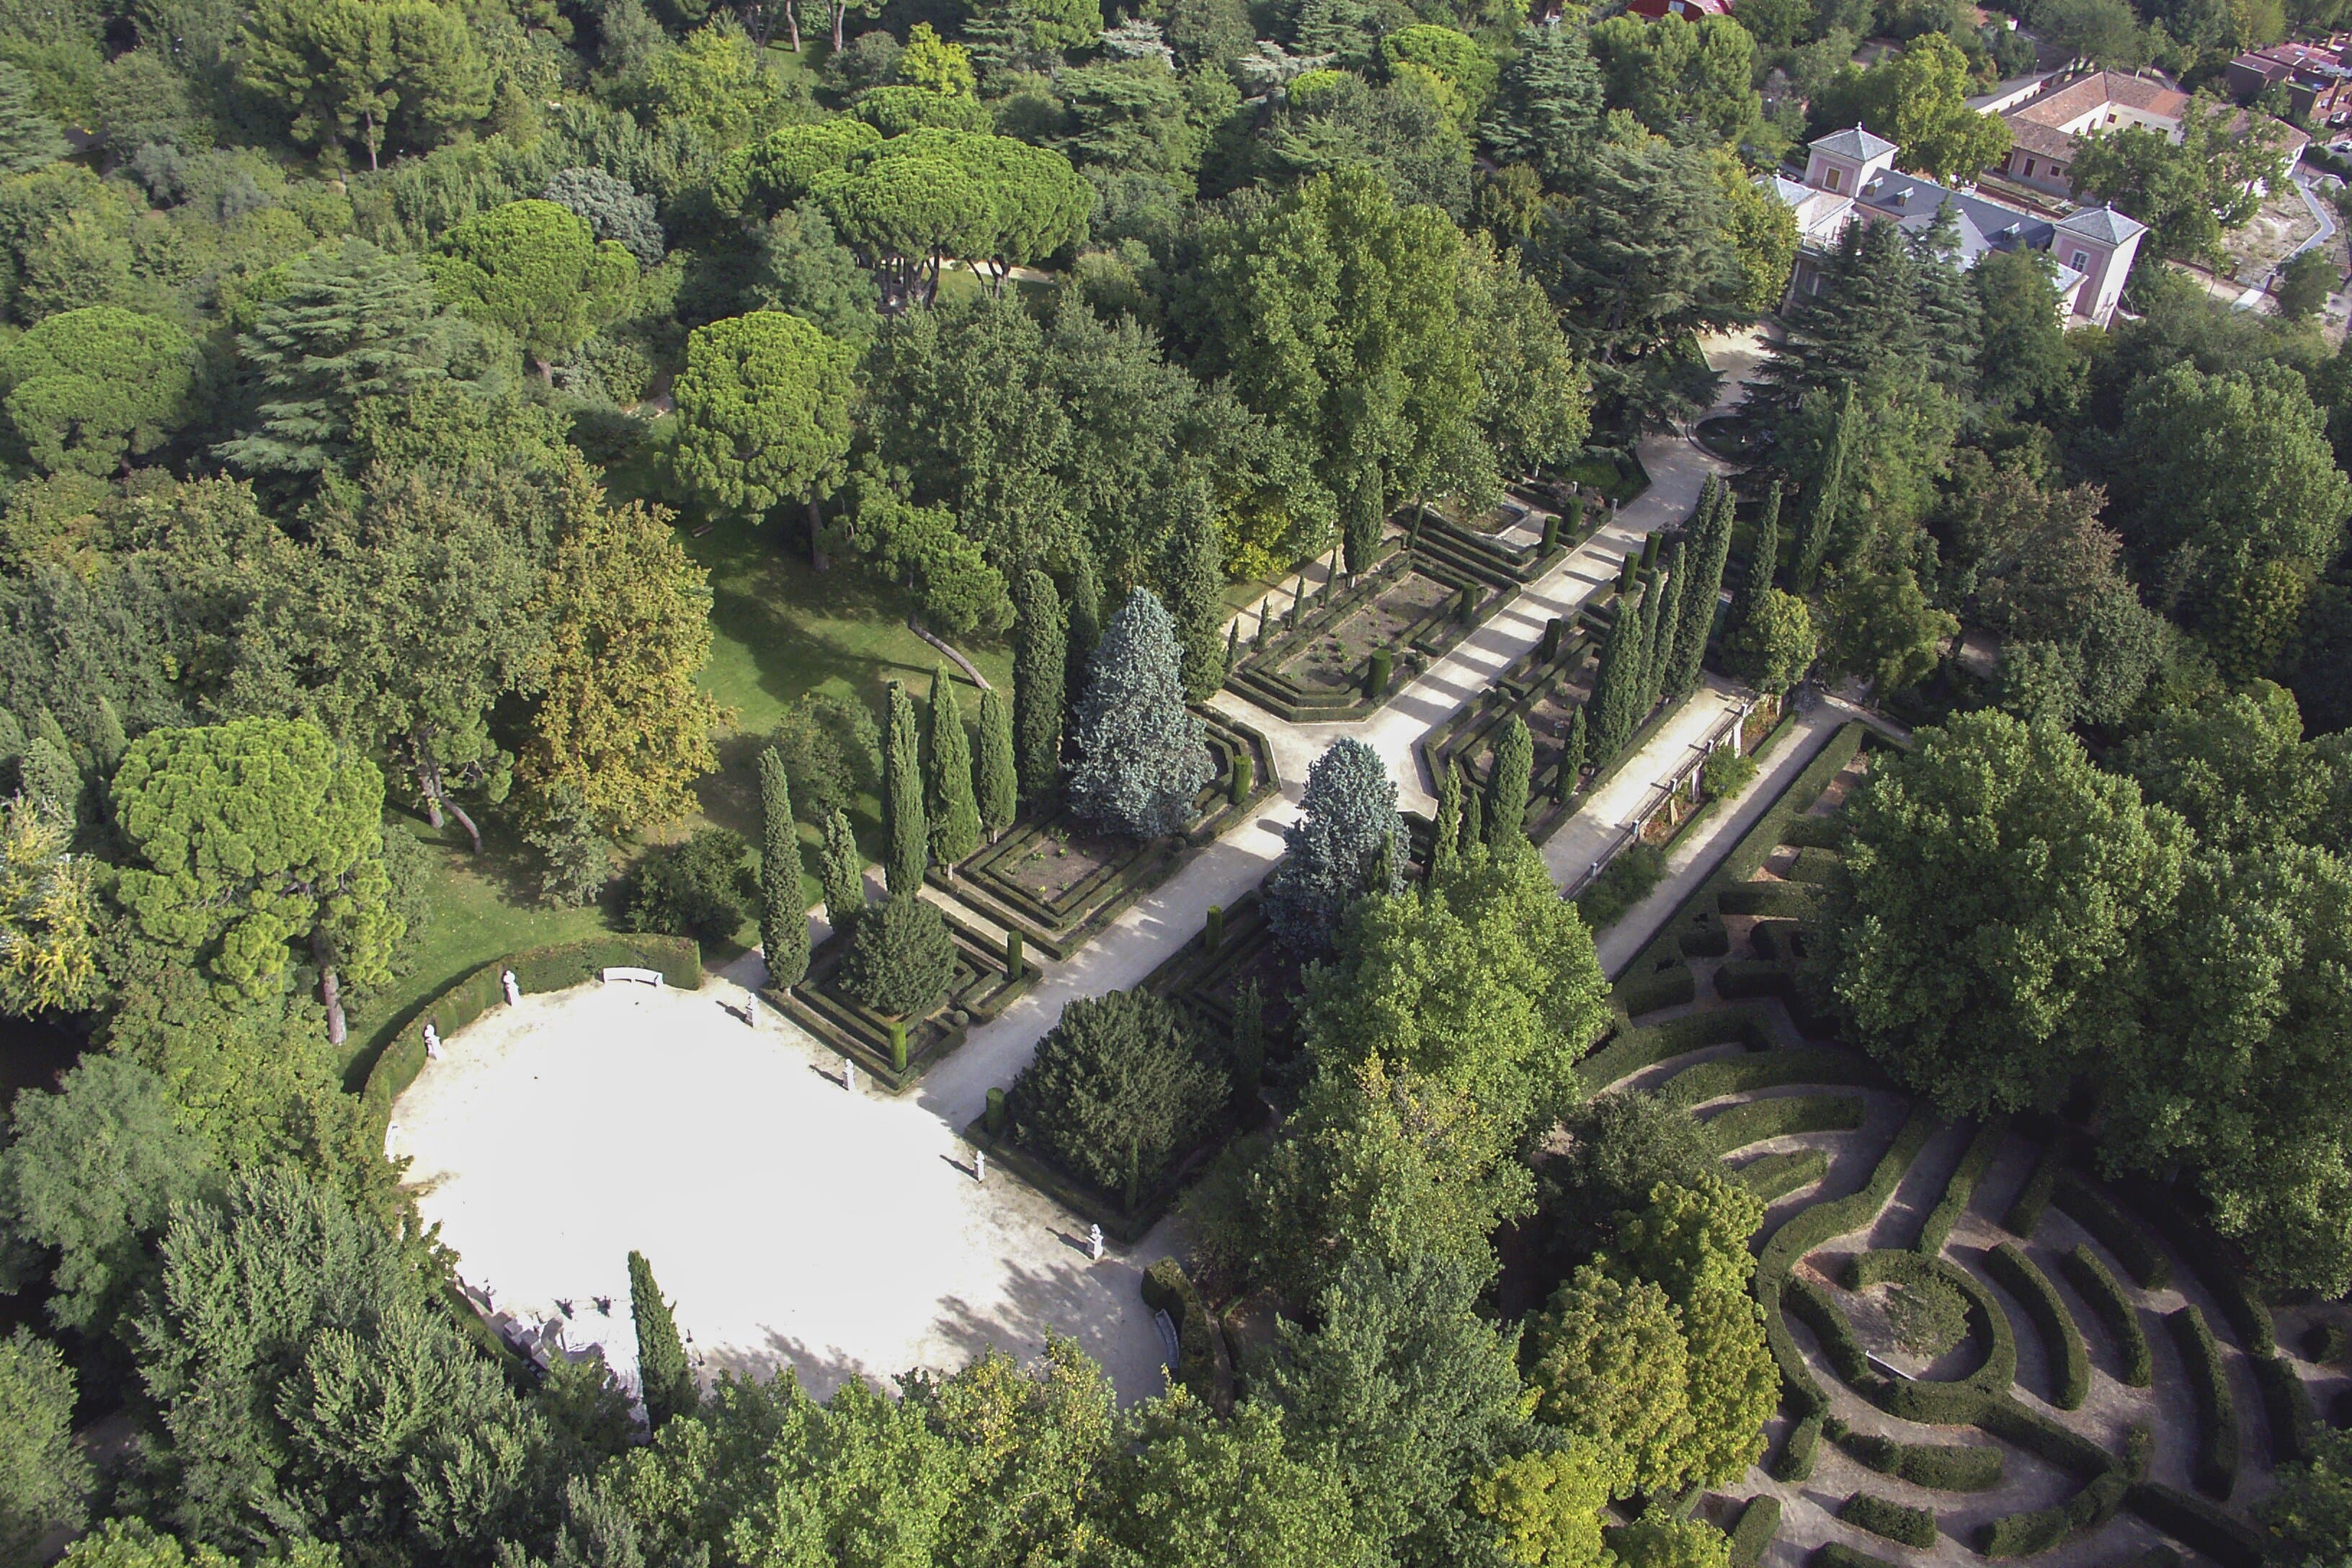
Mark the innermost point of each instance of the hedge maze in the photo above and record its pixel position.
(2059, 1422)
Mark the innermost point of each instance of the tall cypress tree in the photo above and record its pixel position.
(1828, 500)
(1193, 580)
(1763, 560)
(908, 845)
(1084, 611)
(664, 1374)
(995, 783)
(947, 777)
(1473, 826)
(1617, 687)
(841, 872)
(784, 910)
(1444, 838)
(1657, 625)
(1666, 634)
(1515, 762)
(1040, 651)
(1696, 608)
(1572, 757)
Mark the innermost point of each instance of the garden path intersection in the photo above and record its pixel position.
(795, 1222)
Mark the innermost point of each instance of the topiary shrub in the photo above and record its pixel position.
(1118, 1090)
(2069, 1363)
(1143, 755)
(1794, 1463)
(901, 959)
(2100, 1288)
(1896, 1521)
(1759, 1521)
(1928, 1316)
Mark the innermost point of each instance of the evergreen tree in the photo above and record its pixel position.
(1085, 624)
(1827, 499)
(28, 138)
(1515, 760)
(902, 960)
(1141, 755)
(1444, 838)
(1665, 626)
(1548, 111)
(947, 778)
(1763, 560)
(1474, 825)
(784, 910)
(663, 1376)
(1697, 606)
(1194, 581)
(1345, 813)
(1571, 756)
(1616, 686)
(908, 849)
(841, 870)
(1039, 647)
(996, 784)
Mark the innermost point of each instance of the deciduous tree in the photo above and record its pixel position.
(44, 1479)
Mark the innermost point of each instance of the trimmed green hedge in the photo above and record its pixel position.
(1815, 865)
(1739, 979)
(1838, 1554)
(1942, 1404)
(2069, 1363)
(1702, 1081)
(1814, 832)
(2025, 1216)
(537, 969)
(1785, 901)
(1759, 1521)
(2327, 1341)
(1636, 1047)
(1795, 1461)
(1654, 992)
(1708, 940)
(2215, 1466)
(1808, 1228)
(1772, 1178)
(2116, 1231)
(1783, 1116)
(2286, 1405)
(1201, 1363)
(2099, 1286)
(1896, 1521)
(2039, 1529)
(1961, 1189)
(2225, 1538)
(1940, 1466)
(1819, 1311)
(2212, 1260)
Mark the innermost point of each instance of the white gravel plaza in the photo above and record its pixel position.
(790, 1222)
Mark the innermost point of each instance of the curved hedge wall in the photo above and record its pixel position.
(2215, 1466)
(1896, 1521)
(2069, 1361)
(537, 969)
(1958, 1192)
(2100, 1287)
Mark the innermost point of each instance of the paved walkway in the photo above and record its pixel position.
(874, 1188)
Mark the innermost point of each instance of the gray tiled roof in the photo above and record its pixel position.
(2104, 225)
(1857, 142)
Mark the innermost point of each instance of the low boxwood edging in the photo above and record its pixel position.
(1783, 1116)
(1772, 1178)
(2115, 1230)
(1646, 1045)
(2069, 1361)
(2286, 1405)
(2099, 1286)
(2215, 1466)
(1702, 1081)
(1939, 1467)
(1759, 1521)
(1898, 1522)
(1958, 1192)
(536, 969)
(980, 990)
(1808, 1228)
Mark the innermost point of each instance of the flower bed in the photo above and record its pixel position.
(1477, 546)
(1543, 690)
(1057, 881)
(1279, 673)
(979, 990)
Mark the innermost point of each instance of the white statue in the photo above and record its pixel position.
(850, 1075)
(979, 1164)
(1094, 1242)
(514, 992)
(432, 1043)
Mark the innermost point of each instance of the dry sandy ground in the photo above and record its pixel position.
(790, 1222)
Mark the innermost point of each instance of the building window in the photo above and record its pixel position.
(2080, 261)
(2029, 168)
(1834, 174)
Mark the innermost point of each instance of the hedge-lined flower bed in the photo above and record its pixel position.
(1258, 676)
(2069, 1361)
(1961, 1189)
(1056, 928)
(1467, 735)
(537, 969)
(980, 990)
(1899, 1523)
(2117, 1312)
(2214, 1468)
(1784, 1116)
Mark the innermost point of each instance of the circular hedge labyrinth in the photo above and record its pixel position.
(1985, 1351)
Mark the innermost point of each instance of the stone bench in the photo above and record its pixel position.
(652, 977)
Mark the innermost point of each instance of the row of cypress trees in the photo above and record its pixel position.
(1656, 646)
